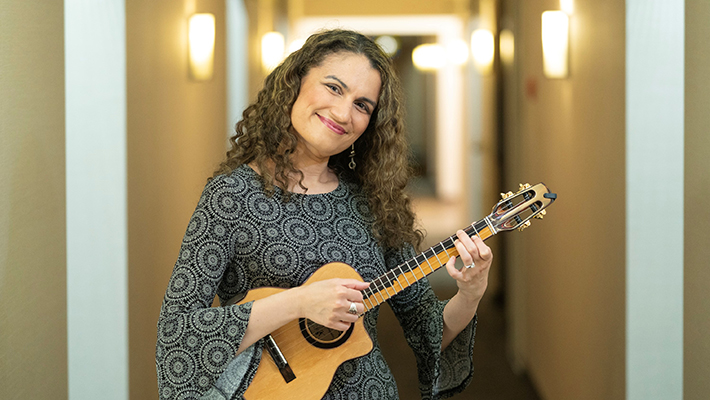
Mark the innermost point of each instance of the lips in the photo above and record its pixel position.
(332, 125)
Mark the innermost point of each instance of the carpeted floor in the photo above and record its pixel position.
(493, 379)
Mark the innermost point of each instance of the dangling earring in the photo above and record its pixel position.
(352, 164)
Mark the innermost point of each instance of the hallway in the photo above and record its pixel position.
(493, 378)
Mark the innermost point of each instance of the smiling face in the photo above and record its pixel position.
(334, 105)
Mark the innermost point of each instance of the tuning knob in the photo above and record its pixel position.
(524, 186)
(506, 195)
(541, 214)
(524, 225)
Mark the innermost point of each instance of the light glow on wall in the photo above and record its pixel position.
(388, 43)
(296, 45)
(483, 49)
(507, 47)
(457, 52)
(201, 46)
(567, 6)
(429, 57)
(555, 44)
(272, 50)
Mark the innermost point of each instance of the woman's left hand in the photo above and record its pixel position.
(472, 282)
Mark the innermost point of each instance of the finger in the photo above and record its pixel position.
(451, 268)
(468, 244)
(484, 252)
(465, 255)
(340, 325)
(355, 284)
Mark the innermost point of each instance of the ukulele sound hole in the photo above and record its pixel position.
(323, 337)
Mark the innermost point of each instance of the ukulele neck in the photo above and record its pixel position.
(411, 271)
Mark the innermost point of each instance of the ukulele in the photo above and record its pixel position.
(301, 357)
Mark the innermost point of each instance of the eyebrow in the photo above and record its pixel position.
(365, 99)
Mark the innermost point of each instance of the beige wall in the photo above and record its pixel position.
(33, 353)
(571, 136)
(314, 8)
(176, 137)
(696, 328)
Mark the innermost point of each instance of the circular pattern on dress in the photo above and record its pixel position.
(182, 283)
(359, 206)
(280, 259)
(235, 182)
(208, 320)
(180, 366)
(189, 394)
(351, 232)
(245, 238)
(341, 191)
(224, 203)
(262, 207)
(215, 354)
(299, 231)
(373, 388)
(196, 227)
(211, 258)
(171, 330)
(317, 208)
(220, 230)
(166, 393)
(333, 251)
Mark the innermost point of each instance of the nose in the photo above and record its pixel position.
(341, 111)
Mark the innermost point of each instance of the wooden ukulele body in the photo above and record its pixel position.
(313, 364)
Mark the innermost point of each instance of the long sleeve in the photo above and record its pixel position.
(196, 342)
(420, 313)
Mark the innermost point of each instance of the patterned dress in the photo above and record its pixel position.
(239, 239)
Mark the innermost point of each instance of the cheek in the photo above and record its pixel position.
(361, 123)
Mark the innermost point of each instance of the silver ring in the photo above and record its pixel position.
(353, 309)
(471, 266)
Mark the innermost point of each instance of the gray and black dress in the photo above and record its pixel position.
(238, 239)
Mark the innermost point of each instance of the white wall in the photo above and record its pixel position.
(654, 198)
(97, 306)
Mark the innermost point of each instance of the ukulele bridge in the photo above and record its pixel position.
(279, 359)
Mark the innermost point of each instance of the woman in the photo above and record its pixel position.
(316, 174)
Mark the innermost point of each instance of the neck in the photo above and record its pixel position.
(317, 176)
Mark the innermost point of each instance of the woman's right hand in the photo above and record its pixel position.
(327, 302)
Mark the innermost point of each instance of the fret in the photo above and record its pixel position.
(474, 229)
(383, 287)
(405, 276)
(420, 268)
(430, 266)
(490, 225)
(400, 283)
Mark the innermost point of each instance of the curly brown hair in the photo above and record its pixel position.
(264, 136)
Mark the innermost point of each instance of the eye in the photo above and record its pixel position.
(333, 88)
(363, 106)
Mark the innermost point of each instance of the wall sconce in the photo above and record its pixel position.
(507, 47)
(389, 44)
(483, 50)
(296, 45)
(272, 50)
(555, 44)
(567, 6)
(201, 34)
(429, 57)
(457, 52)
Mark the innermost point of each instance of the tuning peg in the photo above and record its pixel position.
(524, 186)
(541, 214)
(506, 195)
(524, 225)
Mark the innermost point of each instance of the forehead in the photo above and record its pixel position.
(355, 70)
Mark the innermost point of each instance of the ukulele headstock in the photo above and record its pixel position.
(516, 209)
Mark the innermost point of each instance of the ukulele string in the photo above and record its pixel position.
(429, 254)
